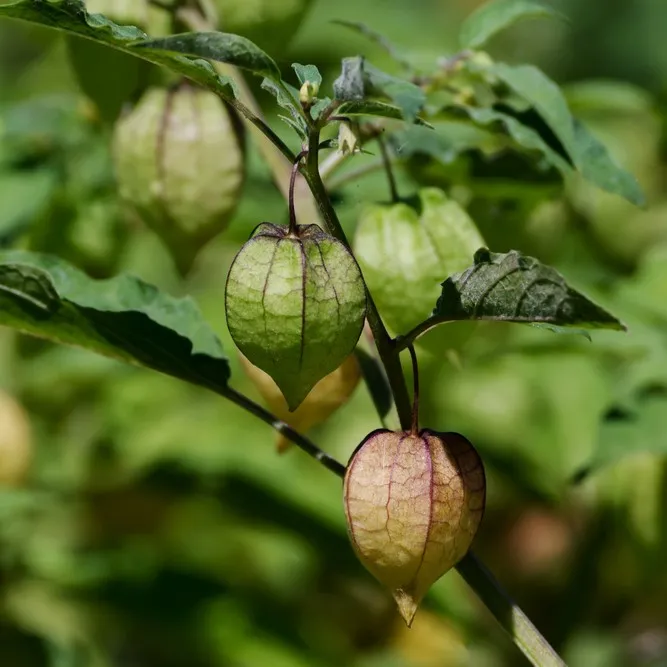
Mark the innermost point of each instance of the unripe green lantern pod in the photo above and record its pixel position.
(179, 161)
(271, 24)
(413, 503)
(108, 77)
(296, 305)
(407, 254)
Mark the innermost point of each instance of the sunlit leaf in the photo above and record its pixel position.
(589, 156)
(514, 288)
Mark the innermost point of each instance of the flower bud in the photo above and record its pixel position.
(295, 304)
(327, 396)
(180, 165)
(413, 505)
(308, 93)
(348, 141)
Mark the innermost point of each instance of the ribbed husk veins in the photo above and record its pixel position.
(295, 305)
(406, 254)
(179, 161)
(413, 505)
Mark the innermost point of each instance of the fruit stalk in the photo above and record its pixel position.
(383, 341)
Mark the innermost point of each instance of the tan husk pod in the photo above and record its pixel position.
(16, 448)
(179, 158)
(327, 396)
(413, 503)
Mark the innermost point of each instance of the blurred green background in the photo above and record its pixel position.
(158, 528)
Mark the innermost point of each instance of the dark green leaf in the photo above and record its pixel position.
(376, 108)
(123, 318)
(514, 288)
(376, 381)
(379, 39)
(497, 15)
(587, 154)
(404, 94)
(70, 16)
(308, 73)
(350, 86)
(545, 96)
(219, 46)
(524, 136)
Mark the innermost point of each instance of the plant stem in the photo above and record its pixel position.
(517, 625)
(383, 341)
(284, 429)
(523, 633)
(290, 195)
(386, 163)
(415, 392)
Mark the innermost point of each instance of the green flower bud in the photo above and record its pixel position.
(296, 305)
(108, 77)
(179, 161)
(413, 504)
(406, 255)
(308, 93)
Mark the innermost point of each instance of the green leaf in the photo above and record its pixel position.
(308, 73)
(404, 94)
(219, 46)
(123, 318)
(376, 108)
(597, 166)
(288, 102)
(587, 154)
(545, 96)
(350, 85)
(523, 135)
(70, 16)
(628, 432)
(497, 15)
(511, 287)
(378, 39)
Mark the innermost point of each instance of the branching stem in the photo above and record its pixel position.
(386, 163)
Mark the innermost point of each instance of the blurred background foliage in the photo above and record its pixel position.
(157, 527)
